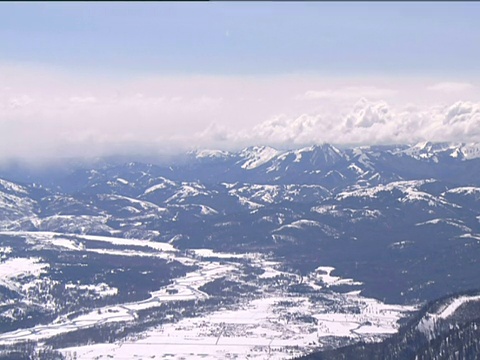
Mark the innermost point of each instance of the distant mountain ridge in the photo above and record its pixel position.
(373, 197)
(314, 164)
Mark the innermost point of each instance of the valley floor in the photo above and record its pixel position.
(284, 315)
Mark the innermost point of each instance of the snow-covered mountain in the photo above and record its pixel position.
(291, 232)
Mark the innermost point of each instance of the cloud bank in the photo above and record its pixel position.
(371, 123)
(45, 114)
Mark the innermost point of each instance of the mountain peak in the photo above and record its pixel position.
(257, 155)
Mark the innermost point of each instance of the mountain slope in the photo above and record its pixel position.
(448, 328)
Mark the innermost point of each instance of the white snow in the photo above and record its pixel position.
(451, 222)
(272, 324)
(300, 224)
(428, 150)
(264, 328)
(75, 242)
(304, 223)
(146, 205)
(20, 267)
(130, 242)
(229, 185)
(464, 190)
(471, 151)
(14, 269)
(270, 273)
(323, 209)
(257, 156)
(221, 255)
(9, 186)
(4, 252)
(471, 236)
(207, 210)
(14, 207)
(298, 156)
(408, 189)
(356, 169)
(206, 153)
(429, 321)
(324, 274)
(455, 304)
(187, 190)
(66, 243)
(249, 204)
(183, 288)
(163, 185)
(100, 289)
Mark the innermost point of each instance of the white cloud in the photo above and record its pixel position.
(83, 99)
(283, 131)
(348, 93)
(17, 101)
(461, 112)
(213, 133)
(366, 114)
(371, 123)
(451, 87)
(45, 114)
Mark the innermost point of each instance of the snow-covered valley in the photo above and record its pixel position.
(272, 323)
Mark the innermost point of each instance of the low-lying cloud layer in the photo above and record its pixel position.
(371, 123)
(45, 114)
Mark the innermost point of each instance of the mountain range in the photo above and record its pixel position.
(402, 222)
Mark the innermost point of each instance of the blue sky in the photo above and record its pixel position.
(93, 79)
(245, 38)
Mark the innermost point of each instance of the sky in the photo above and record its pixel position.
(98, 79)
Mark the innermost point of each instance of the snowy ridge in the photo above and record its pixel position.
(206, 153)
(270, 194)
(471, 151)
(145, 205)
(428, 150)
(408, 189)
(187, 190)
(299, 224)
(257, 155)
(429, 322)
(14, 205)
(163, 185)
(12, 187)
(451, 222)
(465, 190)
